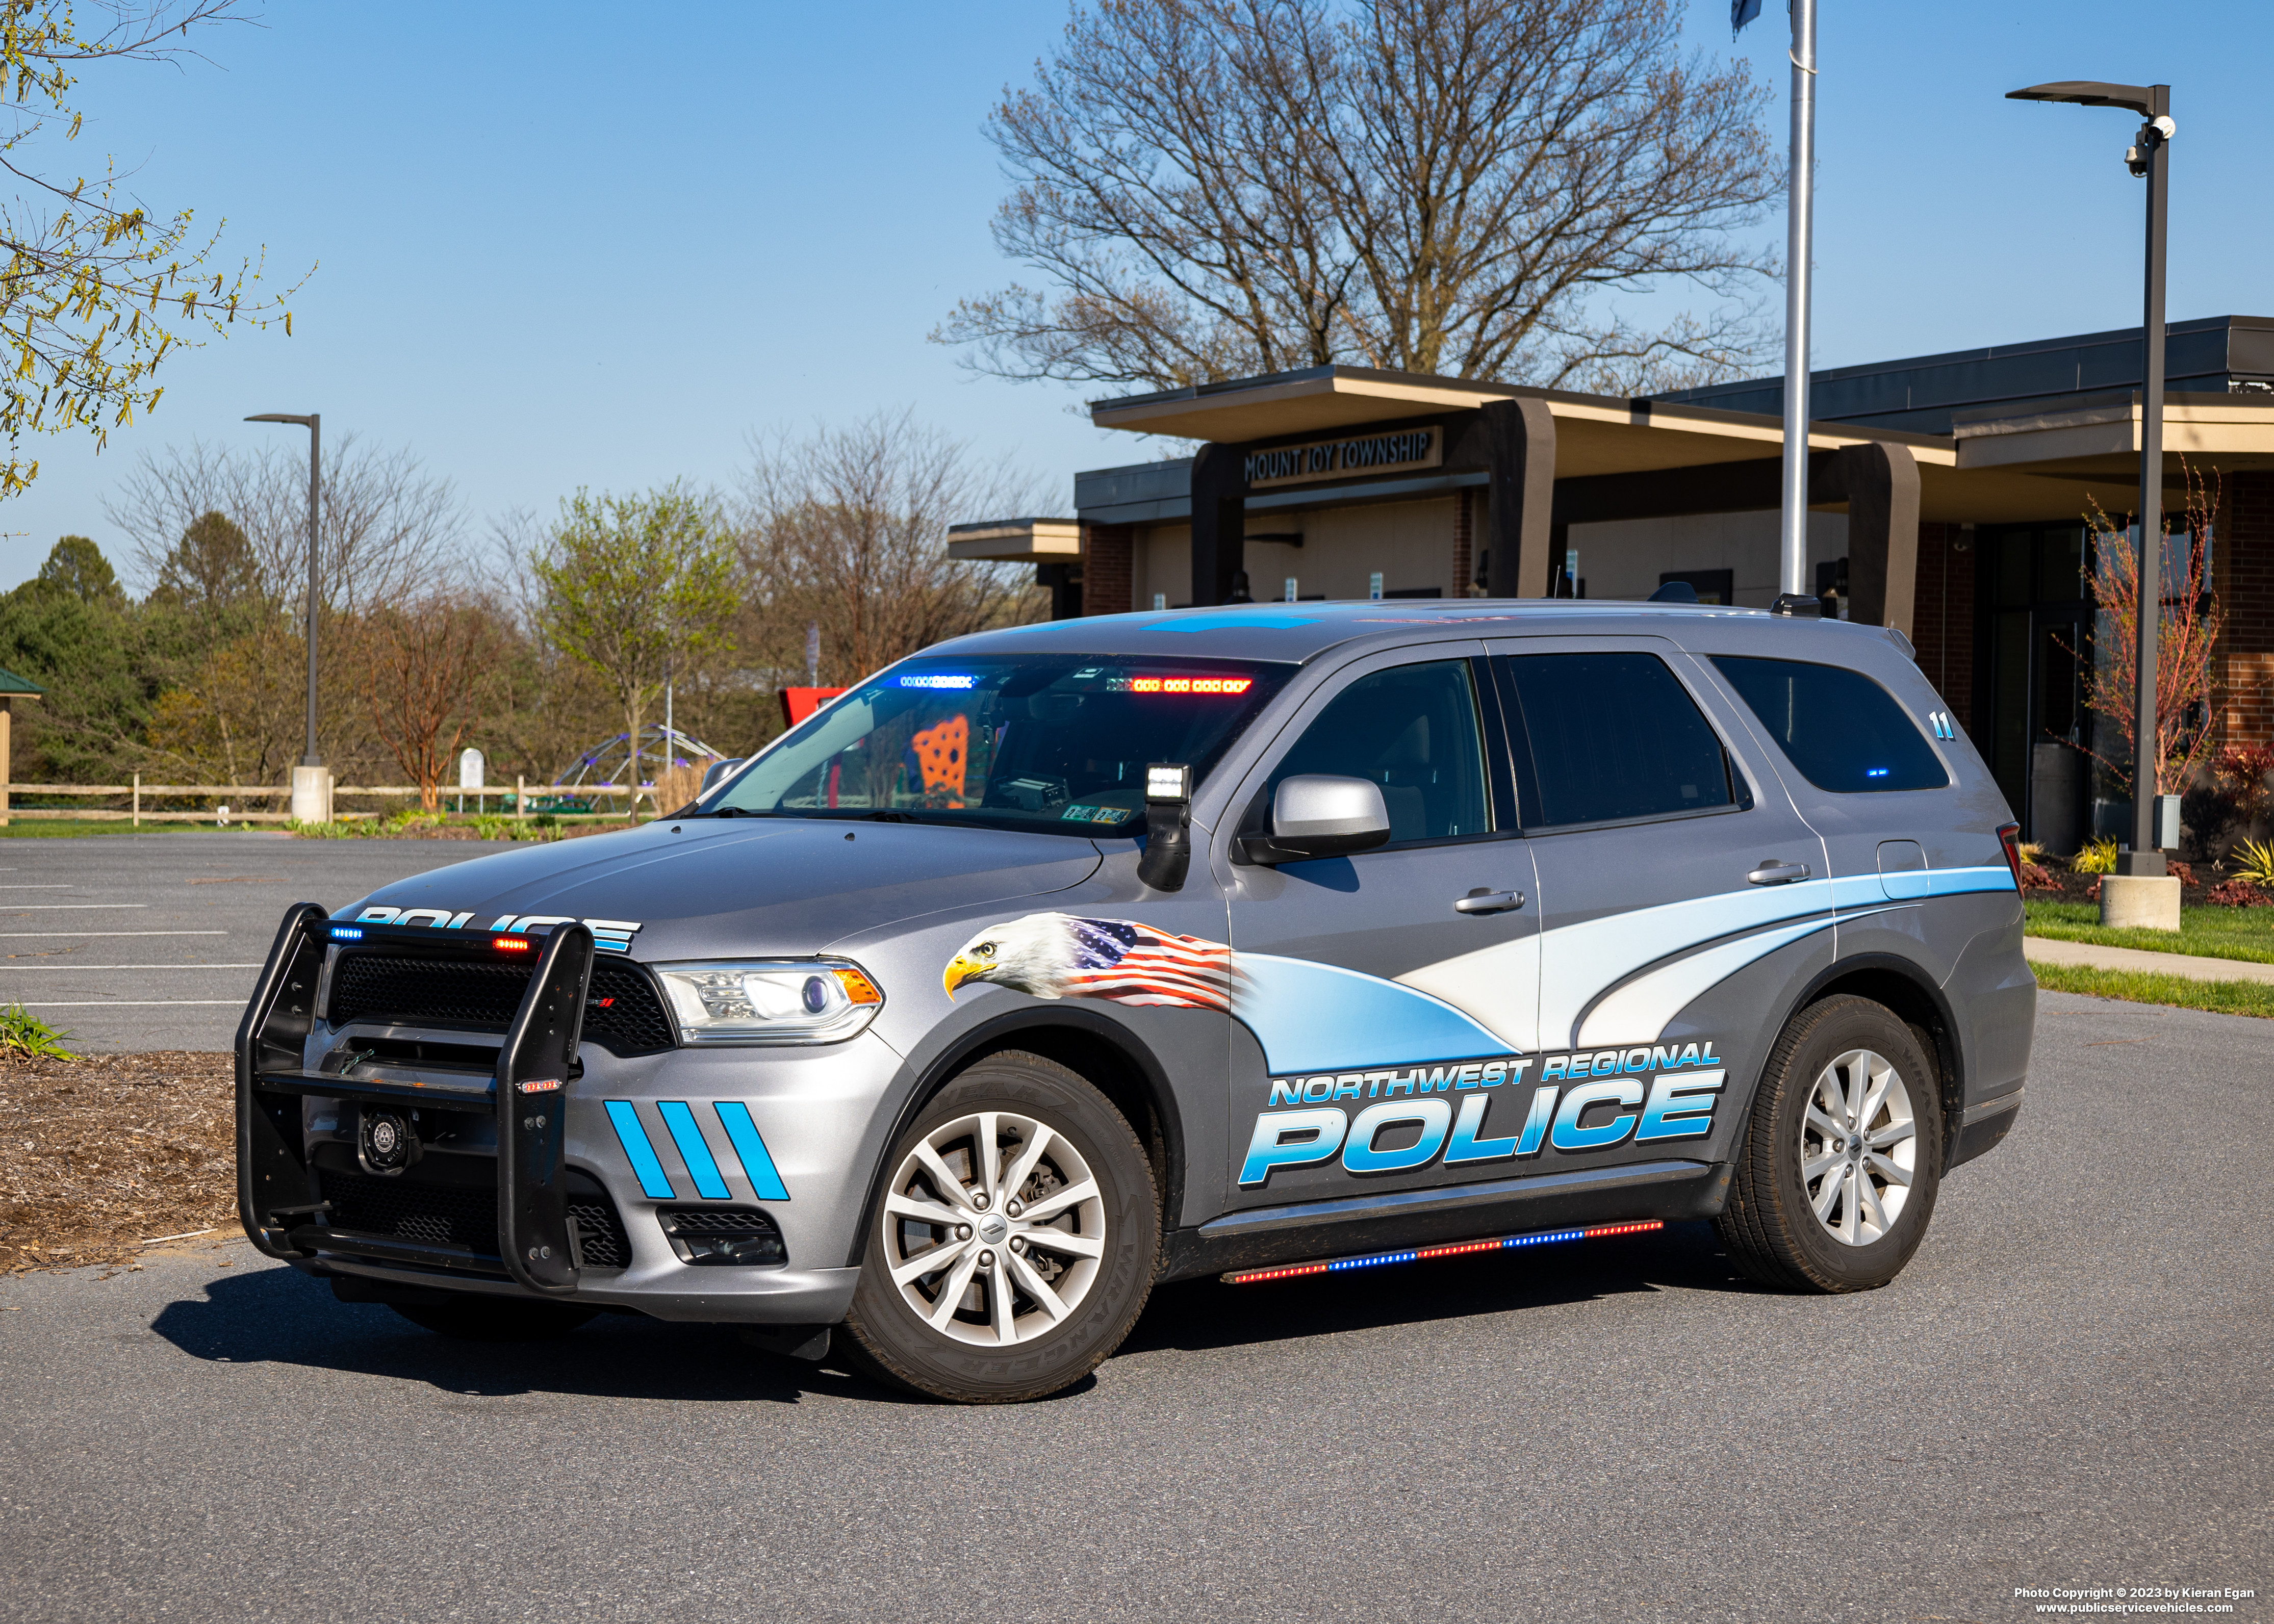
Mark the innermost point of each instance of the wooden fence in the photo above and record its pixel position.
(232, 795)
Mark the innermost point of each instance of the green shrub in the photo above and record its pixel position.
(24, 1035)
(2097, 857)
(2254, 860)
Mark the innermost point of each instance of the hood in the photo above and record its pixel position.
(717, 887)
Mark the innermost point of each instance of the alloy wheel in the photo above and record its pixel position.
(994, 1228)
(1858, 1148)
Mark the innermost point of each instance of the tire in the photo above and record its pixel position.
(472, 1319)
(1809, 1209)
(994, 1324)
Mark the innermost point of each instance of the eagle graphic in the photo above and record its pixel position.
(1058, 956)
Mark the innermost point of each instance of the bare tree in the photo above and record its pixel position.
(1216, 188)
(848, 530)
(391, 529)
(427, 667)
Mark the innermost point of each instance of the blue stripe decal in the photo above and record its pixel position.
(1308, 1017)
(700, 1167)
(633, 1138)
(757, 1165)
(1857, 890)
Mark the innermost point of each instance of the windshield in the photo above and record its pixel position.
(1059, 741)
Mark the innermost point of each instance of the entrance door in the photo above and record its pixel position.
(1381, 996)
(2036, 727)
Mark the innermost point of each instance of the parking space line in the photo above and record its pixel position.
(25, 907)
(122, 1004)
(61, 930)
(143, 967)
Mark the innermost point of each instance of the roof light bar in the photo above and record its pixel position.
(1498, 1242)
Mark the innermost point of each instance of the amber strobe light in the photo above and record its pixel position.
(858, 988)
(1454, 1249)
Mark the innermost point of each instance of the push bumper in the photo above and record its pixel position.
(643, 1150)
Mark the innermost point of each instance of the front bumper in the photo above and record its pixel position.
(644, 1143)
(781, 1296)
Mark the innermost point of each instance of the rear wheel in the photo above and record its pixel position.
(1016, 1240)
(1843, 1156)
(473, 1319)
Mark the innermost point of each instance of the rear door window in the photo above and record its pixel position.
(1842, 730)
(1611, 736)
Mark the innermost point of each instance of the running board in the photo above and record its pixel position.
(1455, 1248)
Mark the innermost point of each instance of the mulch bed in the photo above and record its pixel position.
(100, 1155)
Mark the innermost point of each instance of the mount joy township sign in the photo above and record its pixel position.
(1394, 452)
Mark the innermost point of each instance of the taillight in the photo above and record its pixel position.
(2009, 835)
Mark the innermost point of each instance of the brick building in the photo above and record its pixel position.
(1948, 496)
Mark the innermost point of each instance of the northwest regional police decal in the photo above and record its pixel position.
(1581, 1101)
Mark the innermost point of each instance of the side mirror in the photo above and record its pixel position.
(715, 771)
(1319, 815)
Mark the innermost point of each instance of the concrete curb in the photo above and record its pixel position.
(2044, 949)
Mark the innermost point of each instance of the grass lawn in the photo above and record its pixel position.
(2140, 987)
(70, 829)
(2214, 933)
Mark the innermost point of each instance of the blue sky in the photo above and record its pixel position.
(581, 244)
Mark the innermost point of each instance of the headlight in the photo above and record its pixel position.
(810, 1001)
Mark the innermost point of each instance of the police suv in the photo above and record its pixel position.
(1260, 941)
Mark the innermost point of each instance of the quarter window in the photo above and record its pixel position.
(1843, 731)
(1414, 730)
(1608, 737)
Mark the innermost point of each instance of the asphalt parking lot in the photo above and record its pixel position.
(136, 943)
(2069, 1388)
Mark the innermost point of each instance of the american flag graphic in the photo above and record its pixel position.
(1131, 963)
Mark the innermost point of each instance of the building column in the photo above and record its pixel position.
(1109, 568)
(1882, 483)
(2243, 561)
(1219, 489)
(1519, 448)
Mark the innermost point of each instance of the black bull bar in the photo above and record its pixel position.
(277, 1198)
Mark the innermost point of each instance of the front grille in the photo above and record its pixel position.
(465, 1214)
(622, 1010)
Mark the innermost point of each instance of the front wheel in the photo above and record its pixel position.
(1838, 1175)
(1016, 1243)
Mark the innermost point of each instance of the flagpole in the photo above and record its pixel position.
(1795, 595)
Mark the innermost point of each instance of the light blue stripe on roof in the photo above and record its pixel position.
(689, 1137)
(633, 1137)
(757, 1163)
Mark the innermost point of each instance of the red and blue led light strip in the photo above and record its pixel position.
(1416, 1254)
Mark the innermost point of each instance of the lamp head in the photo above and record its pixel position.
(2148, 100)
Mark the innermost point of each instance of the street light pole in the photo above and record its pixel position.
(311, 794)
(2146, 158)
(2146, 856)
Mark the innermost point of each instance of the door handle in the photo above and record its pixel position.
(1482, 901)
(1776, 871)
